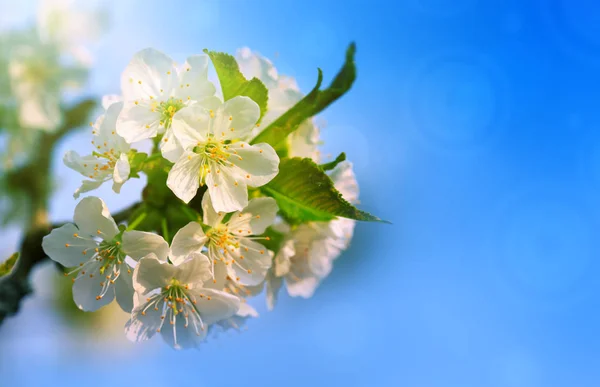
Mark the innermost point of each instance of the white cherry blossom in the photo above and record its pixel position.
(97, 249)
(308, 251)
(230, 244)
(109, 158)
(216, 154)
(179, 302)
(154, 89)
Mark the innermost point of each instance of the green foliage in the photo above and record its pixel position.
(332, 164)
(305, 193)
(273, 239)
(6, 266)
(312, 104)
(233, 82)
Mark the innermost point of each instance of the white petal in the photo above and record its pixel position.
(40, 112)
(109, 99)
(301, 287)
(84, 165)
(138, 244)
(150, 274)
(220, 306)
(86, 186)
(228, 192)
(149, 72)
(282, 261)
(65, 246)
(190, 125)
(194, 79)
(184, 177)
(246, 310)
(251, 265)
(257, 216)
(170, 147)
(106, 134)
(93, 218)
(86, 289)
(143, 327)
(195, 270)
(259, 161)
(122, 169)
(273, 286)
(345, 181)
(209, 216)
(138, 122)
(189, 239)
(124, 289)
(178, 336)
(244, 113)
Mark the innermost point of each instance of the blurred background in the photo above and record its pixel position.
(472, 126)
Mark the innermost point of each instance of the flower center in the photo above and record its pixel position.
(167, 110)
(222, 238)
(174, 301)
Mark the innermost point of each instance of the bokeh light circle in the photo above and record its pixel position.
(458, 100)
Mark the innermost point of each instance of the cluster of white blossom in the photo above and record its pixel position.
(201, 279)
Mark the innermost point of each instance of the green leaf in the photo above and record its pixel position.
(332, 164)
(6, 266)
(233, 82)
(305, 193)
(312, 104)
(273, 239)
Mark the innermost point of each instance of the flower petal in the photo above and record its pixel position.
(138, 244)
(143, 327)
(209, 216)
(109, 99)
(170, 147)
(105, 133)
(273, 286)
(256, 217)
(228, 193)
(150, 274)
(138, 122)
(220, 306)
(195, 270)
(184, 177)
(122, 169)
(87, 288)
(194, 79)
(65, 246)
(181, 336)
(190, 125)
(149, 72)
(244, 113)
(189, 239)
(84, 165)
(93, 218)
(86, 186)
(252, 261)
(344, 181)
(124, 289)
(259, 163)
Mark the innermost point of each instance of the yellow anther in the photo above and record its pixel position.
(67, 245)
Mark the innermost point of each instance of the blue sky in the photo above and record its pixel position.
(473, 127)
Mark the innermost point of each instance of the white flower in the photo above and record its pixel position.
(109, 159)
(97, 249)
(154, 89)
(230, 244)
(217, 155)
(283, 95)
(177, 301)
(307, 254)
